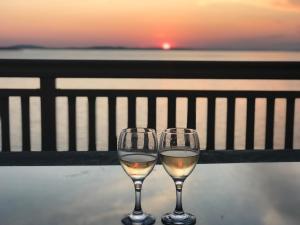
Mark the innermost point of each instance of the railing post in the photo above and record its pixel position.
(5, 129)
(48, 113)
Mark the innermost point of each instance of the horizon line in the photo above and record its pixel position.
(108, 47)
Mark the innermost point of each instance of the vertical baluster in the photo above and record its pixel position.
(4, 114)
(191, 120)
(92, 123)
(72, 123)
(132, 118)
(146, 141)
(211, 114)
(48, 113)
(289, 123)
(25, 123)
(250, 123)
(131, 111)
(152, 112)
(191, 116)
(270, 123)
(230, 123)
(112, 144)
(172, 111)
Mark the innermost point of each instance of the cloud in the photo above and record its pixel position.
(280, 4)
(287, 4)
(277, 4)
(260, 42)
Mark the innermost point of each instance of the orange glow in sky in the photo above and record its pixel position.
(216, 24)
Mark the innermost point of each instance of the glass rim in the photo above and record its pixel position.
(180, 130)
(138, 130)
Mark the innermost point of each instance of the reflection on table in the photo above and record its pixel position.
(218, 194)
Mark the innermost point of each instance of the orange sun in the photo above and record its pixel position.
(166, 46)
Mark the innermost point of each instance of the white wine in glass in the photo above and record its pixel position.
(137, 166)
(179, 153)
(180, 163)
(137, 150)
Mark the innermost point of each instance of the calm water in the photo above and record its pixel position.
(153, 55)
(102, 107)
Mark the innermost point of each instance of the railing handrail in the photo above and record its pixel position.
(149, 69)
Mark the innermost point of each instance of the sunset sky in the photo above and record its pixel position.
(218, 24)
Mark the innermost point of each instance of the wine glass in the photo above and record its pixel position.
(179, 151)
(137, 150)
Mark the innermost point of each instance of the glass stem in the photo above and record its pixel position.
(178, 208)
(138, 188)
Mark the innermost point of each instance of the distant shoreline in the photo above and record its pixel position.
(36, 47)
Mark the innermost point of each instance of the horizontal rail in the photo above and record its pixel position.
(177, 93)
(111, 158)
(20, 92)
(152, 93)
(149, 69)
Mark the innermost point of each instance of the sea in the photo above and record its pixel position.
(166, 84)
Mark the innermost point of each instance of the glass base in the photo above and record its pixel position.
(178, 219)
(142, 219)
